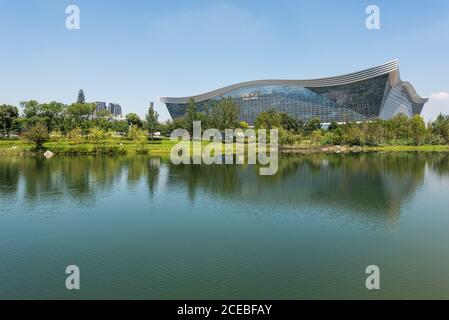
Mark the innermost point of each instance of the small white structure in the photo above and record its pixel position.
(48, 154)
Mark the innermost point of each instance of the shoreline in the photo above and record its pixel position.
(357, 149)
(163, 147)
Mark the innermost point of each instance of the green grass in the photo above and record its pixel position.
(425, 148)
(110, 146)
(15, 147)
(159, 147)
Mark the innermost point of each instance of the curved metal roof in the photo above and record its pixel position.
(387, 68)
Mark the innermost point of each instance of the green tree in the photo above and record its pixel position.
(313, 125)
(81, 111)
(66, 124)
(290, 123)
(30, 108)
(134, 119)
(164, 128)
(178, 123)
(398, 127)
(119, 126)
(353, 135)
(52, 114)
(440, 127)
(374, 132)
(228, 113)
(81, 98)
(103, 122)
(332, 126)
(152, 120)
(192, 112)
(8, 116)
(192, 115)
(418, 129)
(268, 120)
(38, 134)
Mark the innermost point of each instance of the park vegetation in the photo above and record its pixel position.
(398, 131)
(79, 129)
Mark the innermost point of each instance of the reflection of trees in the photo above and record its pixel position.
(153, 174)
(376, 184)
(77, 177)
(221, 179)
(9, 176)
(438, 162)
(367, 183)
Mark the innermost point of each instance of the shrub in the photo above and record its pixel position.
(76, 135)
(329, 138)
(287, 137)
(109, 149)
(135, 133)
(315, 137)
(55, 135)
(243, 125)
(96, 135)
(313, 125)
(333, 126)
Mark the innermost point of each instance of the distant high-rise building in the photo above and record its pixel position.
(115, 109)
(101, 107)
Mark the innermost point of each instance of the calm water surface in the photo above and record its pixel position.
(142, 228)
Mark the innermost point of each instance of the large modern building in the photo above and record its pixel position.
(374, 93)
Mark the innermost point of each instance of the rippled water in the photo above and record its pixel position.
(142, 228)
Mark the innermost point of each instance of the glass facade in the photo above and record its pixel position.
(398, 101)
(101, 107)
(115, 109)
(357, 101)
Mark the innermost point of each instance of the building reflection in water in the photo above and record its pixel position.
(374, 184)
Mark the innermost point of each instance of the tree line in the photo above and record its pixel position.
(399, 130)
(81, 118)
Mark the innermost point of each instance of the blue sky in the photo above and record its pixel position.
(132, 51)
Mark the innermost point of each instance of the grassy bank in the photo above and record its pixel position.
(425, 148)
(164, 146)
(68, 147)
(309, 148)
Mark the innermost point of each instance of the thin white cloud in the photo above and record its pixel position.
(438, 103)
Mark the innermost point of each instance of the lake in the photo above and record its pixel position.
(139, 227)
